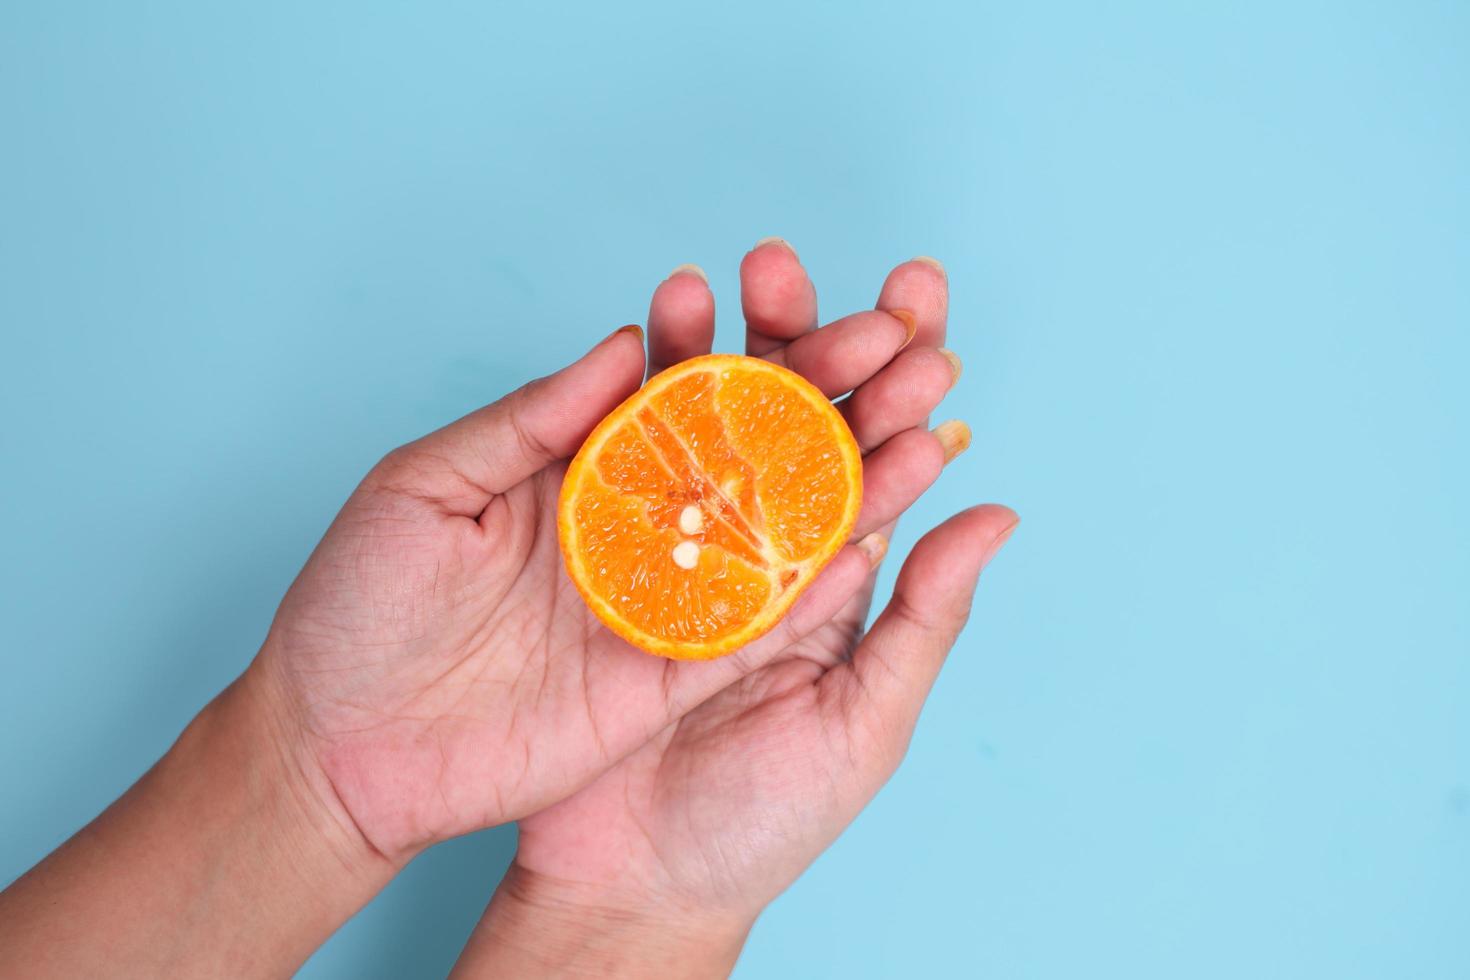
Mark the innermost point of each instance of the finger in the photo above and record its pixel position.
(776, 295)
(846, 352)
(922, 282)
(921, 286)
(681, 318)
(461, 466)
(899, 471)
(884, 686)
(845, 575)
(901, 395)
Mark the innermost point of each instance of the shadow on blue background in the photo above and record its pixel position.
(1209, 276)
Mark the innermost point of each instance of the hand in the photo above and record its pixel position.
(438, 666)
(432, 670)
(669, 856)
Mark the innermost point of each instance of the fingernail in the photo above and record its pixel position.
(692, 269)
(954, 436)
(955, 364)
(910, 326)
(776, 240)
(931, 261)
(999, 542)
(631, 328)
(874, 546)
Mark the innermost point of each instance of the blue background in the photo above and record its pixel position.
(1209, 267)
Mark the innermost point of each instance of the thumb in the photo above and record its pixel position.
(884, 686)
(461, 466)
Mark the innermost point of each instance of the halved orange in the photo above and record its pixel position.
(701, 507)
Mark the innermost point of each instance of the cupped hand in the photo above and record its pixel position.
(725, 807)
(435, 665)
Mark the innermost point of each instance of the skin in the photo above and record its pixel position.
(432, 671)
(661, 866)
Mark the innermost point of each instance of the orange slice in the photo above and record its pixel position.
(702, 506)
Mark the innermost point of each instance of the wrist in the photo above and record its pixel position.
(251, 734)
(225, 859)
(290, 788)
(284, 855)
(540, 926)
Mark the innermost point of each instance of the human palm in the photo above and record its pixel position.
(707, 815)
(451, 678)
(725, 808)
(446, 674)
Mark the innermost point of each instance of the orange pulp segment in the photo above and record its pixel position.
(702, 506)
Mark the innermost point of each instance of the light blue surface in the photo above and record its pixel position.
(1212, 715)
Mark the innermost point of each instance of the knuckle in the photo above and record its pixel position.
(884, 741)
(528, 443)
(399, 471)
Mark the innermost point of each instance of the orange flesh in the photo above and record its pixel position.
(772, 469)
